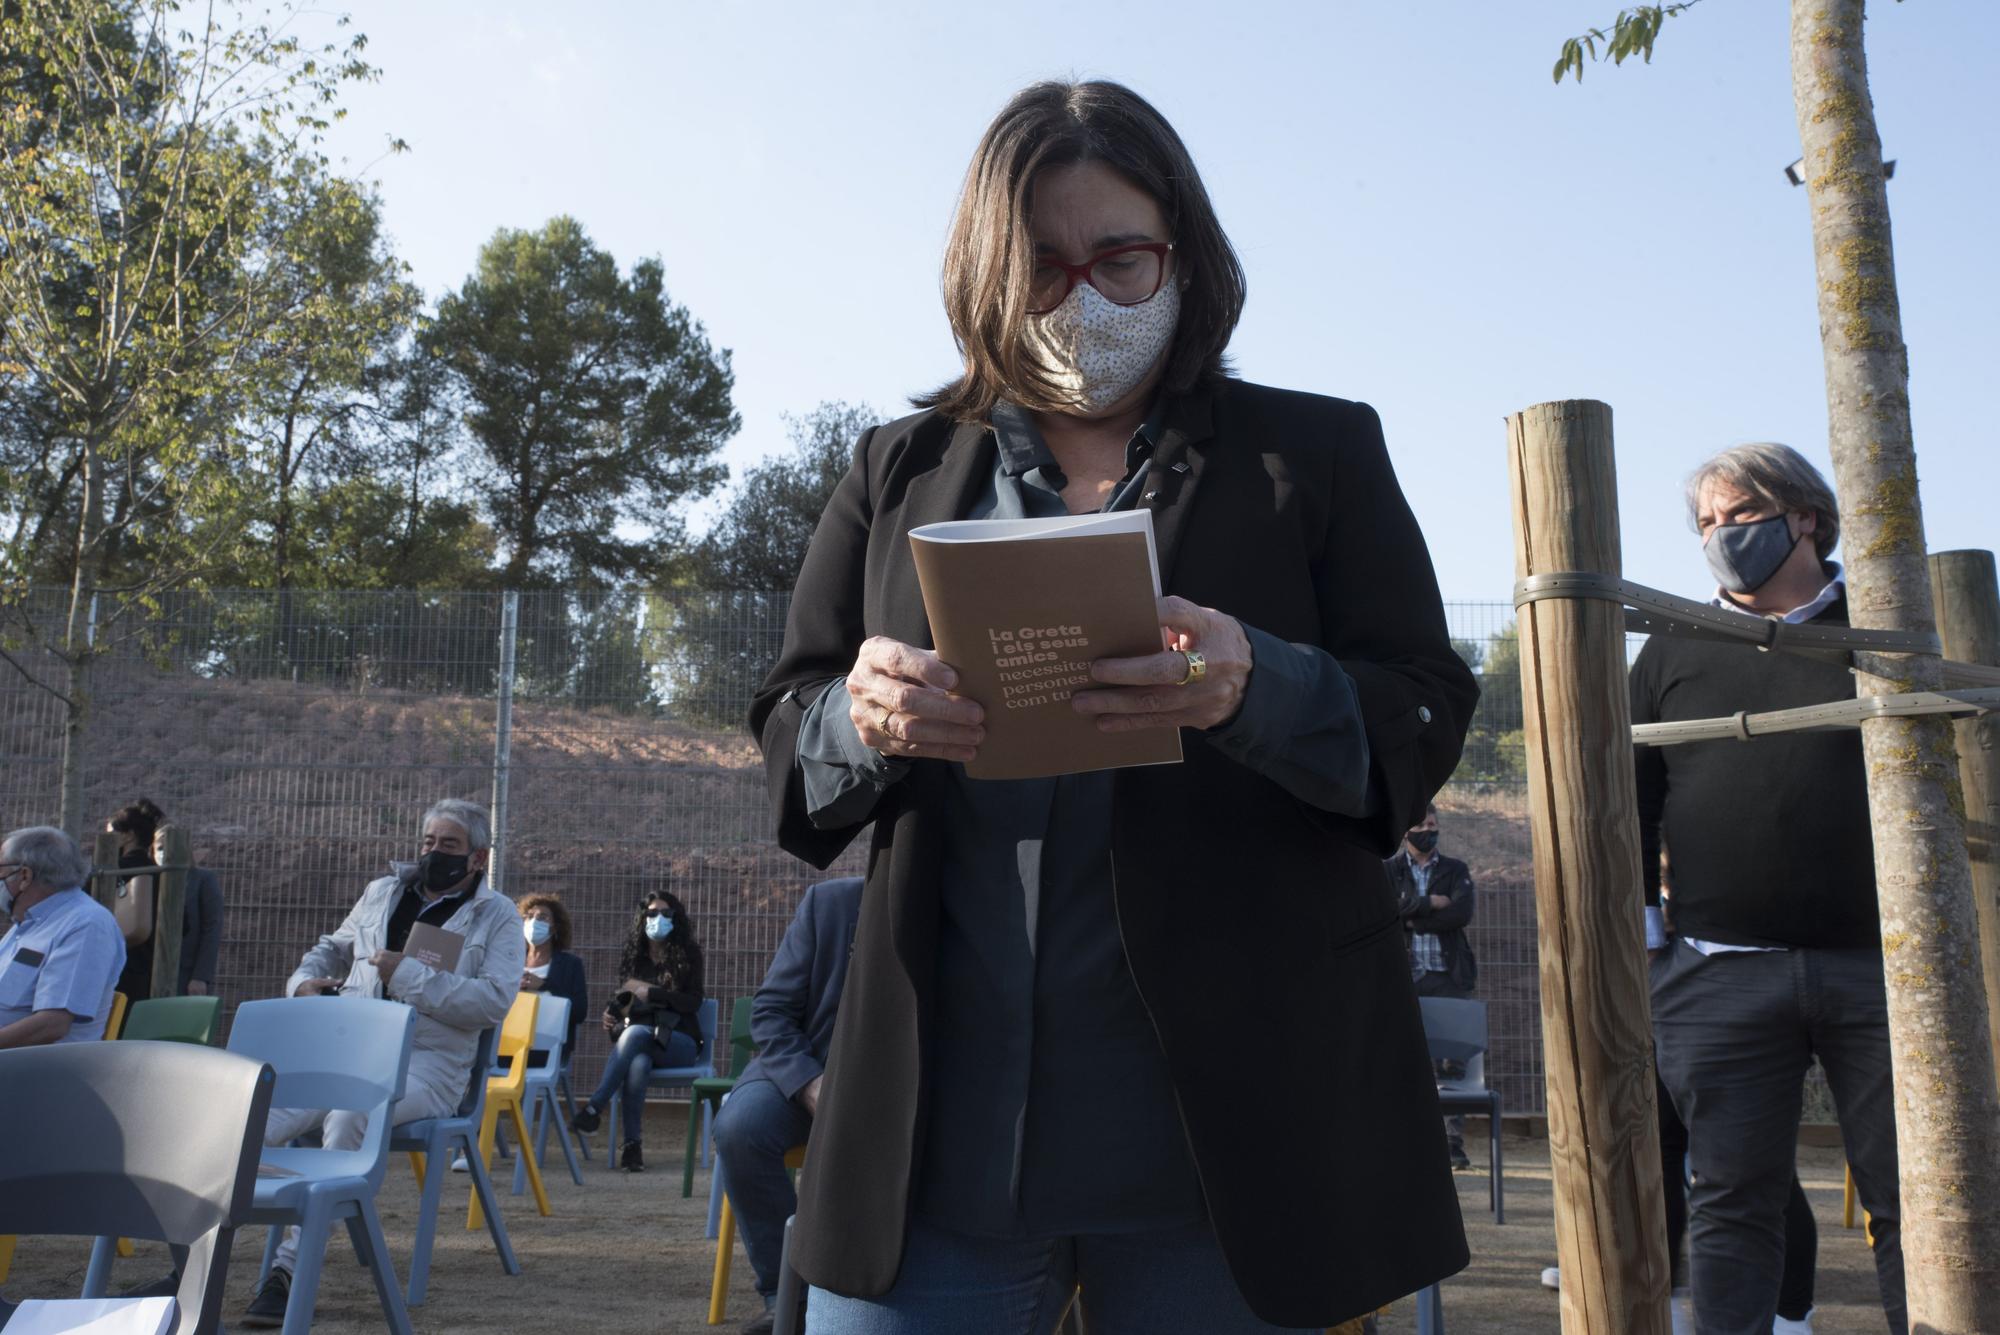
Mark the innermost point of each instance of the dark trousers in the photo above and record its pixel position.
(1433, 983)
(1795, 1291)
(755, 1128)
(1735, 1033)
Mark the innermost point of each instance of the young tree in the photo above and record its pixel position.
(730, 630)
(1947, 1114)
(340, 308)
(138, 170)
(597, 403)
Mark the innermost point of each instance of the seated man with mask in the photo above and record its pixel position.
(364, 957)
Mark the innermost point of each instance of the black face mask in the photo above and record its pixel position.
(438, 872)
(1423, 840)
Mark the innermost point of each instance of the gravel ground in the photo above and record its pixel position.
(625, 1253)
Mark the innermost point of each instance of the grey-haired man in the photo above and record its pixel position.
(364, 957)
(1777, 958)
(61, 956)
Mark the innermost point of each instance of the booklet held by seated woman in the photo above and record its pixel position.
(1019, 608)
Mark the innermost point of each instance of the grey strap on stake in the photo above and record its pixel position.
(1654, 612)
(1812, 718)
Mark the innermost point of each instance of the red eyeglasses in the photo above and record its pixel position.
(1124, 275)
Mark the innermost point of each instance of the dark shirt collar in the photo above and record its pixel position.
(1022, 449)
(433, 910)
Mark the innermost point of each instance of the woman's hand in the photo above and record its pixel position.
(1146, 692)
(530, 983)
(636, 987)
(901, 703)
(611, 1021)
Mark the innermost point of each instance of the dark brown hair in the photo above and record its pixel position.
(141, 818)
(558, 917)
(989, 260)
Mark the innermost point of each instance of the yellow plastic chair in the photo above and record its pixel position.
(112, 1025)
(725, 1244)
(507, 1093)
(1847, 1202)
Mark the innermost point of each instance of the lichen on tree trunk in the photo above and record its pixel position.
(1948, 1119)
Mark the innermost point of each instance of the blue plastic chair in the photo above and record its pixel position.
(544, 1103)
(347, 1053)
(669, 1077)
(434, 1138)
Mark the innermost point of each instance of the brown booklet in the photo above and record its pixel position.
(1020, 607)
(435, 946)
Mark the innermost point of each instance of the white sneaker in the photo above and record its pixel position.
(1552, 1278)
(458, 1163)
(1786, 1326)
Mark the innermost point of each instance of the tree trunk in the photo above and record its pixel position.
(78, 634)
(1947, 1116)
(281, 542)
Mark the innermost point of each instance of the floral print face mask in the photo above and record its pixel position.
(1100, 350)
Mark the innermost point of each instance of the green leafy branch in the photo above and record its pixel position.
(1632, 33)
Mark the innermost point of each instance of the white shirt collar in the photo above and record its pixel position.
(1836, 585)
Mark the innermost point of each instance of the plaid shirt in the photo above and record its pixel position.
(1426, 951)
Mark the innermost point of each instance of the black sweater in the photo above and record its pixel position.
(1769, 838)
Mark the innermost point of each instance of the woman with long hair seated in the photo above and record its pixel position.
(653, 1015)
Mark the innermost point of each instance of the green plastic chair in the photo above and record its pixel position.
(174, 1020)
(710, 1089)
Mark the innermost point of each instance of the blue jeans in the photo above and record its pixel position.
(1141, 1283)
(633, 1058)
(757, 1125)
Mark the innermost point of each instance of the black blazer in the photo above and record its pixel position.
(201, 928)
(791, 1018)
(1328, 1184)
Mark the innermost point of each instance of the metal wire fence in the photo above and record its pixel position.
(299, 736)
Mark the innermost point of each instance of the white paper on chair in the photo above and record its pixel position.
(94, 1316)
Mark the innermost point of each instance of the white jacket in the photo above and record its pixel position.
(451, 1007)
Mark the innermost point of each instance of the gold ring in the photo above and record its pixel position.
(1197, 668)
(882, 724)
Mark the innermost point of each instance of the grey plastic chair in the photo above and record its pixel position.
(350, 1054)
(1455, 1030)
(435, 1138)
(144, 1140)
(545, 1108)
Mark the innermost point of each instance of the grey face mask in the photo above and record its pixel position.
(1743, 557)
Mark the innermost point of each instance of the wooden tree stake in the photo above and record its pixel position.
(104, 869)
(1596, 1015)
(1967, 597)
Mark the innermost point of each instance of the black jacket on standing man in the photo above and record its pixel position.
(1328, 1188)
(1452, 879)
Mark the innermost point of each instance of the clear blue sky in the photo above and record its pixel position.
(1427, 222)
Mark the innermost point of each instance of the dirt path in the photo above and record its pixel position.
(625, 1253)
